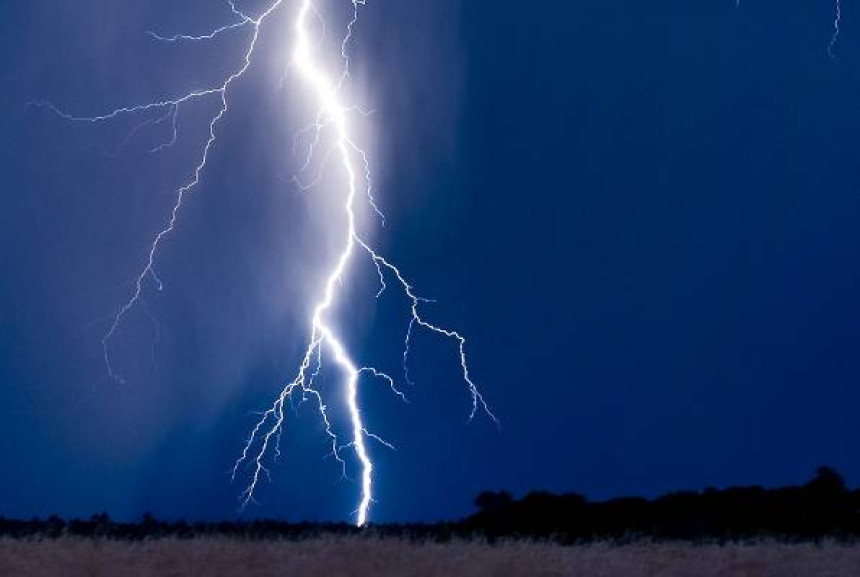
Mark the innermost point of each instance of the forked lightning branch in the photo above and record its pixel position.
(332, 139)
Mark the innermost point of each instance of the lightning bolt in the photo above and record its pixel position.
(837, 23)
(332, 117)
(837, 20)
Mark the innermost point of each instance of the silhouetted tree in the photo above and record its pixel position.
(489, 501)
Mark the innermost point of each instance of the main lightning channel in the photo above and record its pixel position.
(332, 112)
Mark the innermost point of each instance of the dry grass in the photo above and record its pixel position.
(360, 557)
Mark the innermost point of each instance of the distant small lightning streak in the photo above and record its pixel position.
(324, 342)
(837, 20)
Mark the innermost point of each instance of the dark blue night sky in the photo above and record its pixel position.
(644, 217)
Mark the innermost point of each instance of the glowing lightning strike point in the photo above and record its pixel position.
(331, 113)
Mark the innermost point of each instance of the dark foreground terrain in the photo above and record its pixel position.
(806, 530)
(358, 556)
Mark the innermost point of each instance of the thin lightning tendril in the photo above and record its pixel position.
(324, 343)
(170, 104)
(837, 20)
(837, 24)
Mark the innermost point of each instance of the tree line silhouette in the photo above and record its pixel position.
(823, 507)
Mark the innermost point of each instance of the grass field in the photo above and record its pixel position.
(365, 557)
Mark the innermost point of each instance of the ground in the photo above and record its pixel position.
(360, 556)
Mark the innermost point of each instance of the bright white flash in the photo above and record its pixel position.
(332, 118)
